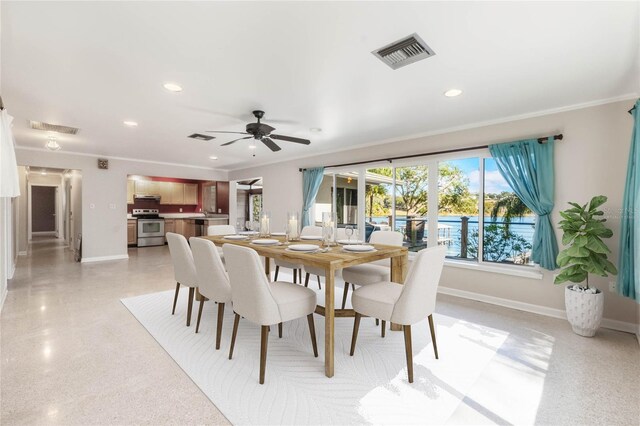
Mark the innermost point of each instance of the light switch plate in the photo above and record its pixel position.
(112, 206)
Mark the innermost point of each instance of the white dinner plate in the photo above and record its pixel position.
(358, 248)
(303, 247)
(311, 237)
(278, 234)
(266, 242)
(350, 241)
(235, 237)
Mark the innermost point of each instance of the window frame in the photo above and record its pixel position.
(432, 163)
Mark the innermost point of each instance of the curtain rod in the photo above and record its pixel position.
(427, 154)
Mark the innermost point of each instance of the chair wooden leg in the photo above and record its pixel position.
(219, 325)
(409, 350)
(377, 322)
(319, 285)
(295, 276)
(312, 330)
(354, 337)
(175, 299)
(280, 330)
(199, 314)
(433, 336)
(306, 280)
(192, 292)
(344, 295)
(233, 335)
(300, 275)
(383, 328)
(264, 340)
(277, 271)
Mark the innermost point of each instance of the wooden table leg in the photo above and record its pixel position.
(399, 266)
(329, 314)
(267, 267)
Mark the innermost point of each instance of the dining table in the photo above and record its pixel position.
(332, 259)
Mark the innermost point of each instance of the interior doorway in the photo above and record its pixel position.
(248, 201)
(44, 207)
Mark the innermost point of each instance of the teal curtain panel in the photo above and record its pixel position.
(629, 251)
(527, 166)
(311, 180)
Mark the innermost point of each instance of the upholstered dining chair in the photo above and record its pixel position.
(184, 269)
(264, 303)
(221, 230)
(307, 231)
(213, 282)
(369, 273)
(403, 304)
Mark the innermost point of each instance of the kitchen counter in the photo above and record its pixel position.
(181, 215)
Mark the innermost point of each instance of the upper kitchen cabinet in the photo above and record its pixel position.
(190, 193)
(130, 191)
(142, 187)
(164, 190)
(177, 192)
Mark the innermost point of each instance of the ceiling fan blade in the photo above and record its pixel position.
(236, 140)
(221, 131)
(291, 139)
(271, 144)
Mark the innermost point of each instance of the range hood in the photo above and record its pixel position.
(146, 197)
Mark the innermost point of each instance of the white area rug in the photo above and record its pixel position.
(370, 387)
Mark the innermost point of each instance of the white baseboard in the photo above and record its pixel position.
(627, 327)
(44, 233)
(12, 270)
(4, 296)
(104, 258)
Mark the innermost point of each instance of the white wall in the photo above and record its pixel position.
(591, 160)
(104, 229)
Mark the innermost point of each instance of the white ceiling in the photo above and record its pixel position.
(93, 65)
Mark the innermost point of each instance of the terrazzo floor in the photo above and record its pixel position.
(71, 353)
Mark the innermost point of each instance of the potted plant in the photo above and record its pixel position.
(585, 254)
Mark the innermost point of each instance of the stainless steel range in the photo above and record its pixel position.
(150, 227)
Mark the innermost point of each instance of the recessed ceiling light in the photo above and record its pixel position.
(452, 93)
(52, 144)
(43, 173)
(172, 87)
(130, 123)
(315, 129)
(213, 157)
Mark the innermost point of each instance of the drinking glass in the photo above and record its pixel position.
(348, 230)
(249, 225)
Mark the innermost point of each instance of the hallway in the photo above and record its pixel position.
(71, 352)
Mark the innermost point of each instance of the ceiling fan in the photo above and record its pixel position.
(262, 132)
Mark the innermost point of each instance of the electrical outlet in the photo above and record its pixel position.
(112, 206)
(180, 209)
(612, 286)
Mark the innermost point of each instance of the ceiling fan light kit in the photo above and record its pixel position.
(263, 133)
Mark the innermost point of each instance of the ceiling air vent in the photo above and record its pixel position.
(404, 52)
(39, 125)
(201, 137)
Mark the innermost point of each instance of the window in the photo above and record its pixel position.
(508, 223)
(458, 189)
(400, 198)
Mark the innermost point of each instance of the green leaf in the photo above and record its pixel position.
(563, 258)
(597, 201)
(567, 238)
(577, 251)
(576, 205)
(581, 240)
(610, 267)
(596, 245)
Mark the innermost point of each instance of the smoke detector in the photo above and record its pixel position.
(403, 52)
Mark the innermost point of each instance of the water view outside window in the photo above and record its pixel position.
(458, 189)
(508, 223)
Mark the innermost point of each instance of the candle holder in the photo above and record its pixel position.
(328, 228)
(265, 219)
(293, 226)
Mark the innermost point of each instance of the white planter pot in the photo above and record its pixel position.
(584, 311)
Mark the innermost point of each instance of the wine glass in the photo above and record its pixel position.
(348, 230)
(249, 225)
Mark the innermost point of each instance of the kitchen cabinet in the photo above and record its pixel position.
(164, 190)
(169, 226)
(141, 187)
(190, 193)
(130, 191)
(132, 232)
(222, 197)
(177, 193)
